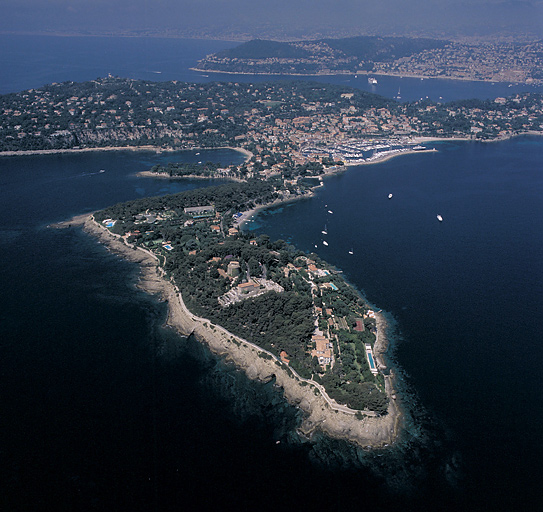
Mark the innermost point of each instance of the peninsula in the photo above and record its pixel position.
(515, 62)
(290, 129)
(274, 311)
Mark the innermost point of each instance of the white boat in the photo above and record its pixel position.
(325, 242)
(390, 196)
(102, 170)
(440, 218)
(324, 232)
(330, 211)
(351, 251)
(372, 81)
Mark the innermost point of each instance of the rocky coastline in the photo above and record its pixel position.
(320, 412)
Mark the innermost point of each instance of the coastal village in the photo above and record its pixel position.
(496, 61)
(291, 129)
(513, 62)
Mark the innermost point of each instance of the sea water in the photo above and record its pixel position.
(466, 294)
(102, 408)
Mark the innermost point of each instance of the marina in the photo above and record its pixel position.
(356, 151)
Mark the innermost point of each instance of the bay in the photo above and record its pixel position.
(102, 407)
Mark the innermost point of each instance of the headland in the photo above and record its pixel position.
(365, 428)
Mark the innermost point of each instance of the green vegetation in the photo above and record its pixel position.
(262, 49)
(382, 49)
(272, 120)
(279, 313)
(399, 56)
(186, 169)
(228, 197)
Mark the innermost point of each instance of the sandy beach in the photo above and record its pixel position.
(320, 412)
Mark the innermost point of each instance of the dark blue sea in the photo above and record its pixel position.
(101, 408)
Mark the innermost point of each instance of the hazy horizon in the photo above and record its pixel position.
(244, 19)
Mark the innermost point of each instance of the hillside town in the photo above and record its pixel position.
(292, 129)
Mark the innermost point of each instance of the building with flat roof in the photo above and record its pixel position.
(198, 212)
(233, 268)
(248, 287)
(322, 350)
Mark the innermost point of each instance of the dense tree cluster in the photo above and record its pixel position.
(266, 118)
(230, 196)
(187, 169)
(128, 112)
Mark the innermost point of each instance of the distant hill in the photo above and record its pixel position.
(382, 49)
(262, 49)
(316, 57)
